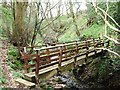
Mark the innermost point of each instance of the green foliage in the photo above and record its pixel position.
(2, 79)
(13, 52)
(16, 64)
(94, 31)
(18, 74)
(11, 65)
(107, 65)
(102, 69)
(68, 36)
(116, 64)
(7, 20)
(13, 61)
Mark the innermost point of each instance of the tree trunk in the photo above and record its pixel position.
(18, 36)
(74, 21)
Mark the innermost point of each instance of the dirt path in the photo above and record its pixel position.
(4, 67)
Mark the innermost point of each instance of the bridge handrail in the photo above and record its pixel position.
(42, 47)
(63, 52)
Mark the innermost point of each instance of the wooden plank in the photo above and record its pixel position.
(51, 54)
(42, 71)
(25, 82)
(67, 62)
(52, 47)
(46, 65)
(30, 75)
(54, 51)
(47, 69)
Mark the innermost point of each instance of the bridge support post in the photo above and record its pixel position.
(95, 45)
(37, 67)
(102, 45)
(65, 48)
(108, 43)
(60, 60)
(48, 55)
(25, 57)
(87, 48)
(76, 53)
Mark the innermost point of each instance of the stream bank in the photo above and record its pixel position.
(102, 72)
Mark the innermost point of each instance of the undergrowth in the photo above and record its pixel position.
(13, 59)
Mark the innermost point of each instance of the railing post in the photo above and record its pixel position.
(76, 52)
(65, 50)
(100, 40)
(60, 56)
(37, 66)
(95, 45)
(48, 55)
(25, 57)
(25, 49)
(102, 43)
(108, 43)
(60, 59)
(23, 52)
(87, 48)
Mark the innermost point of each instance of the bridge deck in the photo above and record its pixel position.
(49, 60)
(55, 66)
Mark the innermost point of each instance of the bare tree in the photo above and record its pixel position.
(74, 21)
(104, 15)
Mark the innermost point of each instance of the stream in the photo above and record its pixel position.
(71, 82)
(65, 81)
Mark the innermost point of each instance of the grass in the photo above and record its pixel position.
(94, 31)
(69, 35)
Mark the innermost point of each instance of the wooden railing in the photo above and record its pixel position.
(47, 56)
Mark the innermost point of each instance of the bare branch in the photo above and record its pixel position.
(109, 51)
(105, 13)
(108, 16)
(52, 20)
(112, 39)
(112, 26)
(107, 24)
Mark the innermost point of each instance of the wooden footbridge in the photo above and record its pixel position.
(45, 62)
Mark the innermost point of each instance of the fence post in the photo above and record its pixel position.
(76, 52)
(25, 57)
(23, 52)
(86, 51)
(102, 45)
(65, 50)
(95, 45)
(108, 43)
(60, 59)
(37, 66)
(48, 55)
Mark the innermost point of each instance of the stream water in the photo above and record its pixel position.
(67, 81)
(71, 82)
